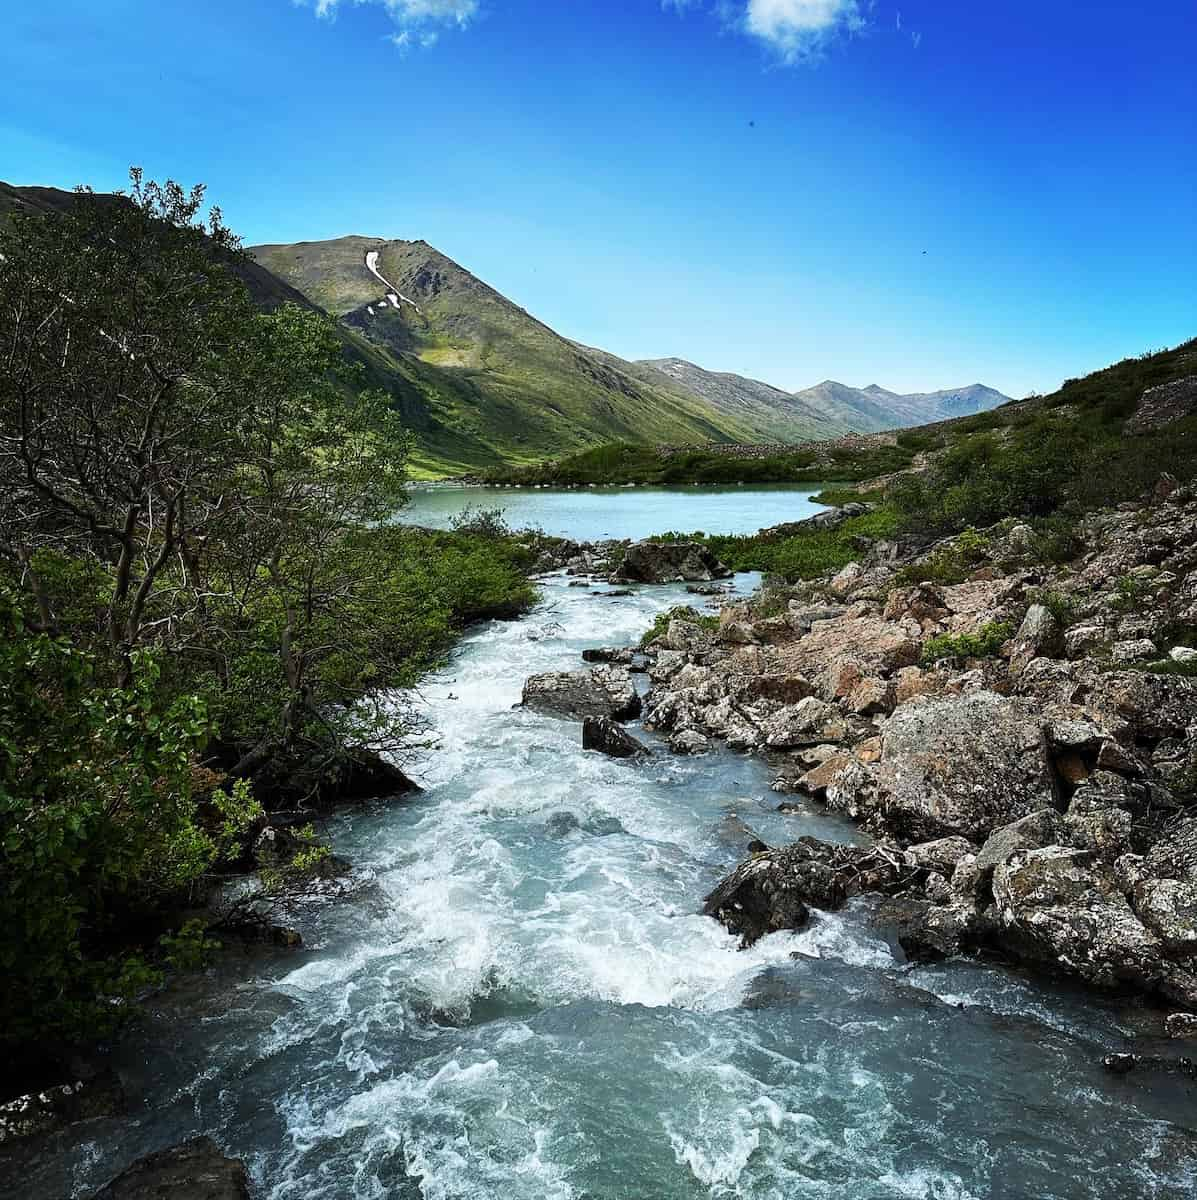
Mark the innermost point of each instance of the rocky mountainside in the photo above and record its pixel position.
(481, 382)
(776, 414)
(873, 408)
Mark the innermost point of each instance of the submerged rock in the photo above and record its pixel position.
(55, 1108)
(195, 1170)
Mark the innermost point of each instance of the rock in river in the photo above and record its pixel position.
(604, 735)
(599, 692)
(668, 562)
(195, 1170)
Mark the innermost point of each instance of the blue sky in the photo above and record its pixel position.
(750, 184)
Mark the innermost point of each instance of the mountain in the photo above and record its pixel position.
(826, 410)
(776, 415)
(498, 384)
(481, 382)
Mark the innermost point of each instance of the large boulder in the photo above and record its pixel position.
(1054, 907)
(668, 562)
(962, 765)
(195, 1170)
(837, 653)
(600, 692)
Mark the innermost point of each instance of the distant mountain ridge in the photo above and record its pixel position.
(481, 382)
(834, 407)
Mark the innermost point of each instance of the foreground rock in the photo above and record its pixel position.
(599, 692)
(604, 735)
(668, 562)
(962, 765)
(195, 1170)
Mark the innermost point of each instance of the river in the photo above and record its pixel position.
(519, 999)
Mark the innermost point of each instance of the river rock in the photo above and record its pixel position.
(771, 890)
(1032, 832)
(599, 692)
(1168, 907)
(668, 562)
(194, 1170)
(962, 765)
(1053, 907)
(689, 741)
(604, 735)
(940, 855)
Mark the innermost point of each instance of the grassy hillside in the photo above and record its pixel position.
(497, 384)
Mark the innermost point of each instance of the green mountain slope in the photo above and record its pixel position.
(497, 383)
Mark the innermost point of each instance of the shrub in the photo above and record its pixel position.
(985, 643)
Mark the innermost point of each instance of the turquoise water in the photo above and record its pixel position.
(591, 514)
(519, 999)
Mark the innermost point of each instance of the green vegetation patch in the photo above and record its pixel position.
(801, 553)
(680, 612)
(985, 643)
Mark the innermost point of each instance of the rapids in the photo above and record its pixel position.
(520, 1000)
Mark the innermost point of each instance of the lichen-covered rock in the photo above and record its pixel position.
(599, 692)
(962, 765)
(195, 1170)
(1039, 636)
(1044, 827)
(607, 737)
(940, 855)
(668, 562)
(929, 932)
(1052, 906)
(689, 741)
(806, 723)
(1168, 907)
(1144, 704)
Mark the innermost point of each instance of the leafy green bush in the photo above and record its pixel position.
(985, 643)
(99, 828)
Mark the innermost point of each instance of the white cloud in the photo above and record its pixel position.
(417, 22)
(799, 29)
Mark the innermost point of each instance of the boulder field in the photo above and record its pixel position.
(1018, 735)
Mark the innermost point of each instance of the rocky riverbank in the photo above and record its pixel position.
(1018, 736)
